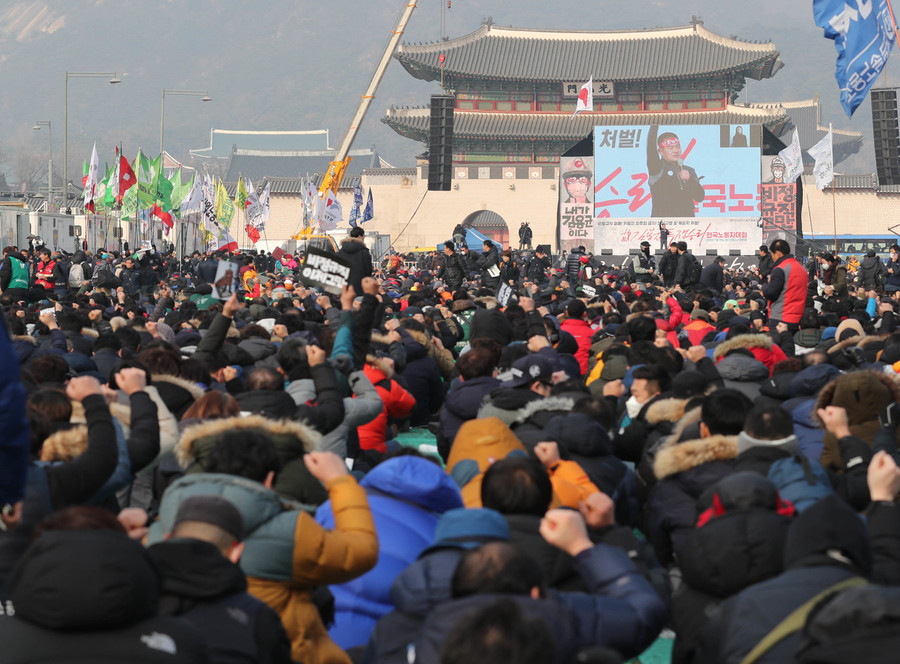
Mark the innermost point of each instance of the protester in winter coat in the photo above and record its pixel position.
(490, 266)
(826, 546)
(407, 495)
(354, 250)
(286, 553)
(84, 591)
(738, 542)
(575, 325)
(422, 373)
(686, 467)
(203, 585)
(396, 403)
(453, 268)
(463, 401)
(786, 288)
(14, 280)
(620, 610)
(713, 275)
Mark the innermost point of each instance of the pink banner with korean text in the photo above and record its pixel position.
(721, 235)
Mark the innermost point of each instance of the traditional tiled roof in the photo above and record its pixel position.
(256, 164)
(806, 116)
(494, 52)
(223, 141)
(414, 122)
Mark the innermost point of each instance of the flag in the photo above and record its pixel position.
(240, 197)
(208, 205)
(369, 212)
(162, 188)
(91, 180)
(146, 192)
(824, 168)
(193, 199)
(257, 211)
(793, 159)
(104, 197)
(585, 98)
(332, 214)
(357, 204)
(224, 240)
(224, 206)
(863, 36)
(126, 177)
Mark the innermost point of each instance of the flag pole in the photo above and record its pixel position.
(893, 20)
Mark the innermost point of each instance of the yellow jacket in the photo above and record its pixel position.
(322, 557)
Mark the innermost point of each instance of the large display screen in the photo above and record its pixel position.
(676, 171)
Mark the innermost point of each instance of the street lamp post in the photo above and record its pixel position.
(162, 112)
(37, 127)
(113, 79)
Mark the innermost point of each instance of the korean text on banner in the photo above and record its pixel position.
(326, 271)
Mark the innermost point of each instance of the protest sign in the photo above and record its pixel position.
(226, 280)
(504, 294)
(324, 270)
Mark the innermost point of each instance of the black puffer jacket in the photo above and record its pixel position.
(91, 596)
(453, 270)
(730, 552)
(354, 250)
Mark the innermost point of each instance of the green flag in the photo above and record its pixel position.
(162, 187)
(146, 188)
(130, 204)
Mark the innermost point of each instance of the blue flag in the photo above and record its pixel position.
(357, 204)
(863, 35)
(369, 212)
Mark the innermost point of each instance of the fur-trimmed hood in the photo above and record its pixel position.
(547, 404)
(665, 410)
(861, 342)
(195, 390)
(674, 458)
(863, 393)
(292, 438)
(748, 341)
(380, 365)
(65, 445)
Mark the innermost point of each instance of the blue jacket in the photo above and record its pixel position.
(14, 444)
(622, 611)
(407, 495)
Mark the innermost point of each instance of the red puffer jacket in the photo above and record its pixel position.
(398, 403)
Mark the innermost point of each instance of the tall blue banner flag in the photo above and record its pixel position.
(357, 204)
(863, 35)
(369, 212)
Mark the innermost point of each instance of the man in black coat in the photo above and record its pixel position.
(668, 265)
(203, 585)
(713, 275)
(765, 262)
(453, 268)
(490, 266)
(536, 270)
(683, 271)
(354, 250)
(573, 265)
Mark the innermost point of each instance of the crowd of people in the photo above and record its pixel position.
(491, 456)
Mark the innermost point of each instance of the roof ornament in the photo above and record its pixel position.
(488, 21)
(695, 21)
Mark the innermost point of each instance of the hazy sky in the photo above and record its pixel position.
(296, 64)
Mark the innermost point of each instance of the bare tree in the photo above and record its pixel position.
(31, 167)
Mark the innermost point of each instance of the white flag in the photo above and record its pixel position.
(824, 168)
(793, 159)
(585, 98)
(193, 200)
(90, 184)
(258, 211)
(332, 215)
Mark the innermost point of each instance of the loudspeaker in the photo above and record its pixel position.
(440, 144)
(886, 135)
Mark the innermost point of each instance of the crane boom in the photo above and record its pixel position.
(369, 95)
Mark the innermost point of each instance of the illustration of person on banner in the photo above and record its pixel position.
(675, 188)
(577, 181)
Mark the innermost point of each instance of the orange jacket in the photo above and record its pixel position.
(322, 557)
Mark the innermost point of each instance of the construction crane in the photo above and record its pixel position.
(338, 166)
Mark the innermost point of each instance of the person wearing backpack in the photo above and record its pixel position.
(79, 272)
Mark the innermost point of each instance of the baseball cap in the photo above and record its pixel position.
(528, 369)
(213, 510)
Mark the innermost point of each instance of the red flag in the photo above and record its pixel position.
(162, 215)
(126, 177)
(252, 233)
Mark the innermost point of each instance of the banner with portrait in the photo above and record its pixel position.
(576, 202)
(677, 171)
(777, 201)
